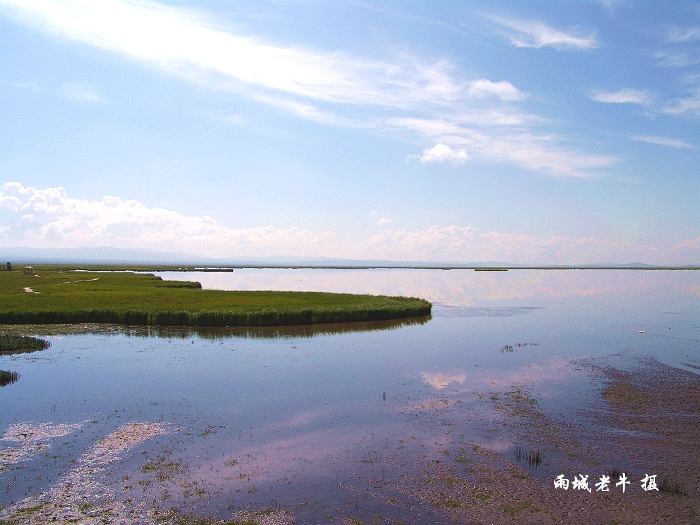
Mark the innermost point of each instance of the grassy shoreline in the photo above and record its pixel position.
(58, 295)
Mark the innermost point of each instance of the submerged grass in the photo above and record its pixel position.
(627, 396)
(60, 296)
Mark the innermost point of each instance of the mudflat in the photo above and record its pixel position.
(643, 423)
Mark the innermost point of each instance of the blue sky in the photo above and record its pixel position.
(541, 132)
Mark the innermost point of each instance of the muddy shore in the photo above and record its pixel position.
(639, 423)
(645, 422)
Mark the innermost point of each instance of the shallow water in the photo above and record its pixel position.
(305, 421)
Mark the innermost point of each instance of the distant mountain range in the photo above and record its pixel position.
(105, 255)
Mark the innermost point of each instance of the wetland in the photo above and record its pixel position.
(468, 416)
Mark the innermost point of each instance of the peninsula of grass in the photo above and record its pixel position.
(61, 296)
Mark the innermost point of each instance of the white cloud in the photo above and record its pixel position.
(530, 33)
(503, 90)
(442, 153)
(684, 34)
(441, 380)
(49, 218)
(185, 43)
(466, 244)
(663, 141)
(79, 93)
(688, 104)
(610, 5)
(74, 92)
(382, 218)
(677, 59)
(622, 96)
(332, 88)
(531, 151)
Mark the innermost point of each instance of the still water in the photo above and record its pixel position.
(308, 420)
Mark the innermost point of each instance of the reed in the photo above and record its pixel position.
(674, 487)
(13, 344)
(7, 378)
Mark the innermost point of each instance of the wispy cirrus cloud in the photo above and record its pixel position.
(623, 96)
(74, 91)
(532, 151)
(684, 34)
(331, 88)
(676, 58)
(689, 104)
(532, 33)
(663, 141)
(185, 43)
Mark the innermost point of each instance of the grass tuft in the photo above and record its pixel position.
(673, 487)
(15, 344)
(7, 378)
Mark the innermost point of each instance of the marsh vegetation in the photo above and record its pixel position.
(7, 377)
(61, 296)
(15, 344)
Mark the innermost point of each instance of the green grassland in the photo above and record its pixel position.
(58, 295)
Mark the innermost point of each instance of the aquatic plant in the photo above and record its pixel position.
(11, 344)
(674, 487)
(627, 396)
(7, 378)
(615, 475)
(532, 458)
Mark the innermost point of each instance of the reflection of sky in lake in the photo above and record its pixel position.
(302, 417)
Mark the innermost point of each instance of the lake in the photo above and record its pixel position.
(356, 422)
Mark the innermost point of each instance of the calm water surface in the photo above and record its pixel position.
(302, 422)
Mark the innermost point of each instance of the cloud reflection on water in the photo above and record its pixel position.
(452, 288)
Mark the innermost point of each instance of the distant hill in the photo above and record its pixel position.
(106, 255)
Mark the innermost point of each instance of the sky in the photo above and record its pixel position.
(543, 132)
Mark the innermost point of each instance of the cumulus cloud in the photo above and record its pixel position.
(382, 219)
(441, 380)
(622, 96)
(50, 218)
(442, 153)
(530, 33)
